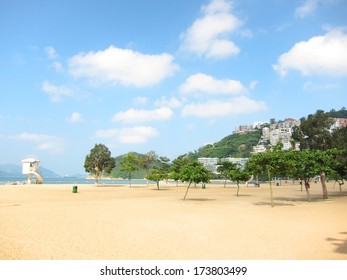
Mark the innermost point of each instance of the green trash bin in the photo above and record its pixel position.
(74, 189)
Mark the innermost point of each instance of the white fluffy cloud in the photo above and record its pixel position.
(320, 55)
(140, 100)
(51, 144)
(222, 108)
(124, 66)
(164, 101)
(205, 83)
(51, 52)
(56, 93)
(128, 135)
(208, 35)
(75, 117)
(141, 116)
(307, 8)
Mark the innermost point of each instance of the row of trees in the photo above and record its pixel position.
(157, 168)
(322, 153)
(301, 165)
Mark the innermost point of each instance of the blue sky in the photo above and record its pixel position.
(168, 76)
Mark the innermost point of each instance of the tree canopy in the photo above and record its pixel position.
(194, 172)
(99, 160)
(129, 163)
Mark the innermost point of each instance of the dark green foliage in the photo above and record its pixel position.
(147, 160)
(339, 138)
(137, 174)
(160, 171)
(224, 169)
(342, 113)
(156, 174)
(194, 172)
(176, 167)
(314, 132)
(234, 145)
(238, 176)
(130, 163)
(98, 161)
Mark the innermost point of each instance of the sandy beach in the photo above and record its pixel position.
(43, 222)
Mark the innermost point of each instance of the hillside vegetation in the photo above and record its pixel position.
(234, 145)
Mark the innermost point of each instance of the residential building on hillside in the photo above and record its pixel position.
(242, 129)
(212, 163)
(259, 149)
(239, 161)
(276, 133)
(339, 122)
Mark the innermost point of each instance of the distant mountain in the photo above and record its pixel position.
(13, 170)
(46, 173)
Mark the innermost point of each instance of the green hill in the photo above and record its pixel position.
(117, 173)
(234, 145)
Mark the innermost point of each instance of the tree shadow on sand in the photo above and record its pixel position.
(340, 243)
(200, 199)
(314, 198)
(275, 204)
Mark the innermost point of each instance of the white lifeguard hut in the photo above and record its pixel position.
(30, 166)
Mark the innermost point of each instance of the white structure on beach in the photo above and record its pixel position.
(212, 163)
(30, 166)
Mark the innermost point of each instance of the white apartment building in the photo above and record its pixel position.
(212, 163)
(275, 133)
(245, 128)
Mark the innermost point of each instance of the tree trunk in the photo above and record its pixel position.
(225, 183)
(187, 191)
(307, 187)
(97, 174)
(158, 185)
(340, 186)
(324, 186)
(271, 191)
(238, 188)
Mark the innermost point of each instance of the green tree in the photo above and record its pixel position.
(271, 162)
(224, 169)
(338, 166)
(99, 160)
(339, 137)
(160, 171)
(239, 175)
(146, 160)
(129, 163)
(314, 134)
(176, 167)
(156, 175)
(303, 166)
(194, 172)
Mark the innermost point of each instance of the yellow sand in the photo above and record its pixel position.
(50, 222)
